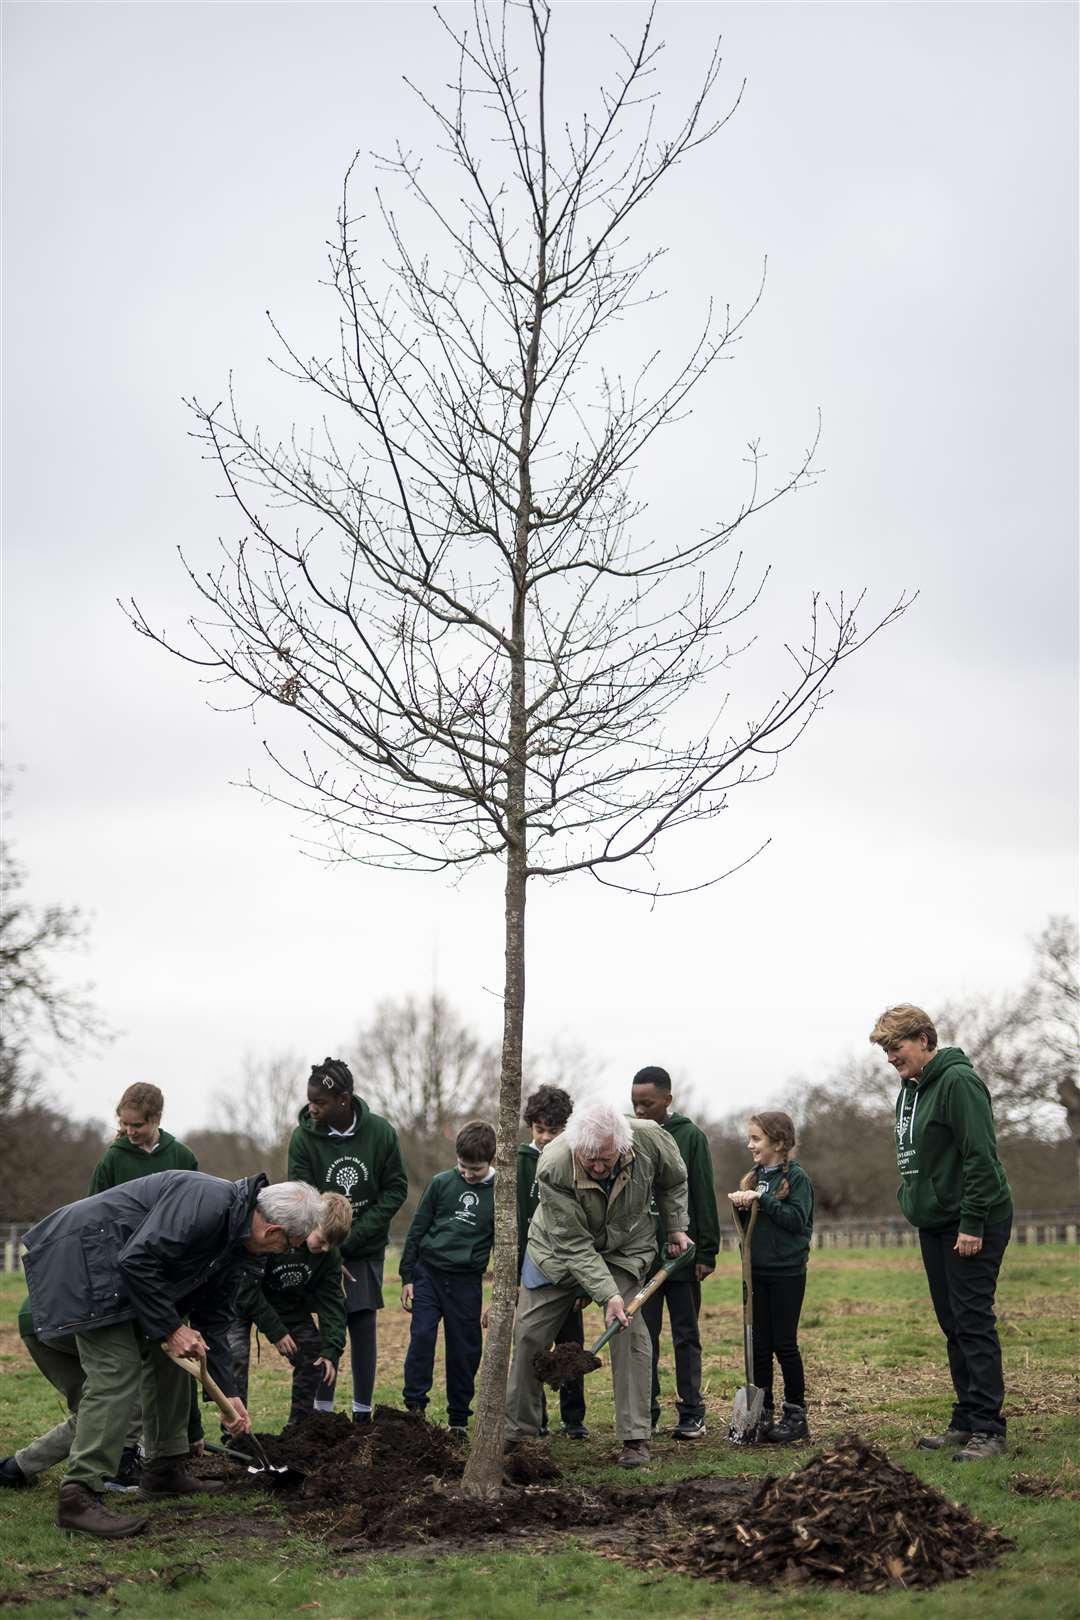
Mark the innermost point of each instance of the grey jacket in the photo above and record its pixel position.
(579, 1230)
(153, 1251)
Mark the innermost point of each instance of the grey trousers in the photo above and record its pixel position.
(117, 1362)
(59, 1360)
(540, 1313)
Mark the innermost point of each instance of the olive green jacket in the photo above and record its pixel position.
(579, 1231)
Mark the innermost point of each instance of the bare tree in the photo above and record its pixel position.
(489, 637)
(417, 1063)
(259, 1111)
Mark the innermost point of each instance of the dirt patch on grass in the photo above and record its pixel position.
(44, 1584)
(396, 1482)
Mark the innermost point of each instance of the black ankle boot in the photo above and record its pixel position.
(792, 1426)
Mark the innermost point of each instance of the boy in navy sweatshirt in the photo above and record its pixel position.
(442, 1275)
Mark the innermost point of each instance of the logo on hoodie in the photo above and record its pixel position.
(345, 1174)
(469, 1204)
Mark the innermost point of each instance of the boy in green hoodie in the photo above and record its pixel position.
(650, 1094)
(282, 1297)
(142, 1148)
(546, 1114)
(953, 1188)
(442, 1275)
(341, 1146)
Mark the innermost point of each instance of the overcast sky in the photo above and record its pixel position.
(171, 172)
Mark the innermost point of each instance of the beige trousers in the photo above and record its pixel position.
(540, 1313)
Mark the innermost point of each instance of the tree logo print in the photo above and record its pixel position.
(469, 1201)
(347, 1177)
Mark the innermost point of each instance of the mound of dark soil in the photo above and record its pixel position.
(397, 1480)
(851, 1517)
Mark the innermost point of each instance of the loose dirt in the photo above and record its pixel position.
(563, 1364)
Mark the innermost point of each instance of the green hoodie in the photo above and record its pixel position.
(123, 1162)
(366, 1166)
(528, 1194)
(780, 1246)
(704, 1223)
(283, 1296)
(946, 1150)
(453, 1226)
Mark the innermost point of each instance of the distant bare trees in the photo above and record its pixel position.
(46, 1157)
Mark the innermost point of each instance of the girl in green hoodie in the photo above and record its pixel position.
(779, 1250)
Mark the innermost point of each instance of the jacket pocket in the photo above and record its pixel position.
(99, 1249)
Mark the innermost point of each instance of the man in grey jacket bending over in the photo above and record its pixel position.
(120, 1272)
(594, 1235)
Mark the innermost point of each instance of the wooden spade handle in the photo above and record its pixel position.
(645, 1293)
(197, 1368)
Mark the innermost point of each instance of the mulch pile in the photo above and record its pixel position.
(849, 1517)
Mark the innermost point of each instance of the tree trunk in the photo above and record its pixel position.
(1069, 1098)
(483, 1472)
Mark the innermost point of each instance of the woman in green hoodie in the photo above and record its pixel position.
(953, 1188)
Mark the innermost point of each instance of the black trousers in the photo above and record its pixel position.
(362, 1351)
(307, 1382)
(456, 1299)
(571, 1394)
(777, 1304)
(962, 1292)
(683, 1298)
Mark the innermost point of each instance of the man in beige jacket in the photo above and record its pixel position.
(594, 1235)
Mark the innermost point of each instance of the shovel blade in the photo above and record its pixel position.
(746, 1415)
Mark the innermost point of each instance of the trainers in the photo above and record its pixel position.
(792, 1426)
(128, 1474)
(692, 1428)
(942, 1442)
(12, 1476)
(458, 1431)
(80, 1509)
(981, 1447)
(635, 1454)
(574, 1431)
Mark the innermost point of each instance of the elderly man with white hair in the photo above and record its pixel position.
(118, 1273)
(594, 1234)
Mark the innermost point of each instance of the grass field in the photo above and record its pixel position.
(875, 1364)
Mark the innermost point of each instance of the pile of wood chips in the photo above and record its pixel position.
(849, 1517)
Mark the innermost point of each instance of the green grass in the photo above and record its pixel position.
(875, 1363)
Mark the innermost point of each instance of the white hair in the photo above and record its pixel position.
(292, 1205)
(597, 1124)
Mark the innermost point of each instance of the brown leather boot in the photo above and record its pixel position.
(635, 1454)
(80, 1509)
(167, 1476)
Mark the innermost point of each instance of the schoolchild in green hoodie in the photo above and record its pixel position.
(283, 1296)
(341, 1146)
(650, 1095)
(442, 1275)
(779, 1251)
(546, 1114)
(953, 1188)
(142, 1148)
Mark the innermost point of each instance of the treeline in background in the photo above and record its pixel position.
(417, 1063)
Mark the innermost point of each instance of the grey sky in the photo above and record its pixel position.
(173, 171)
